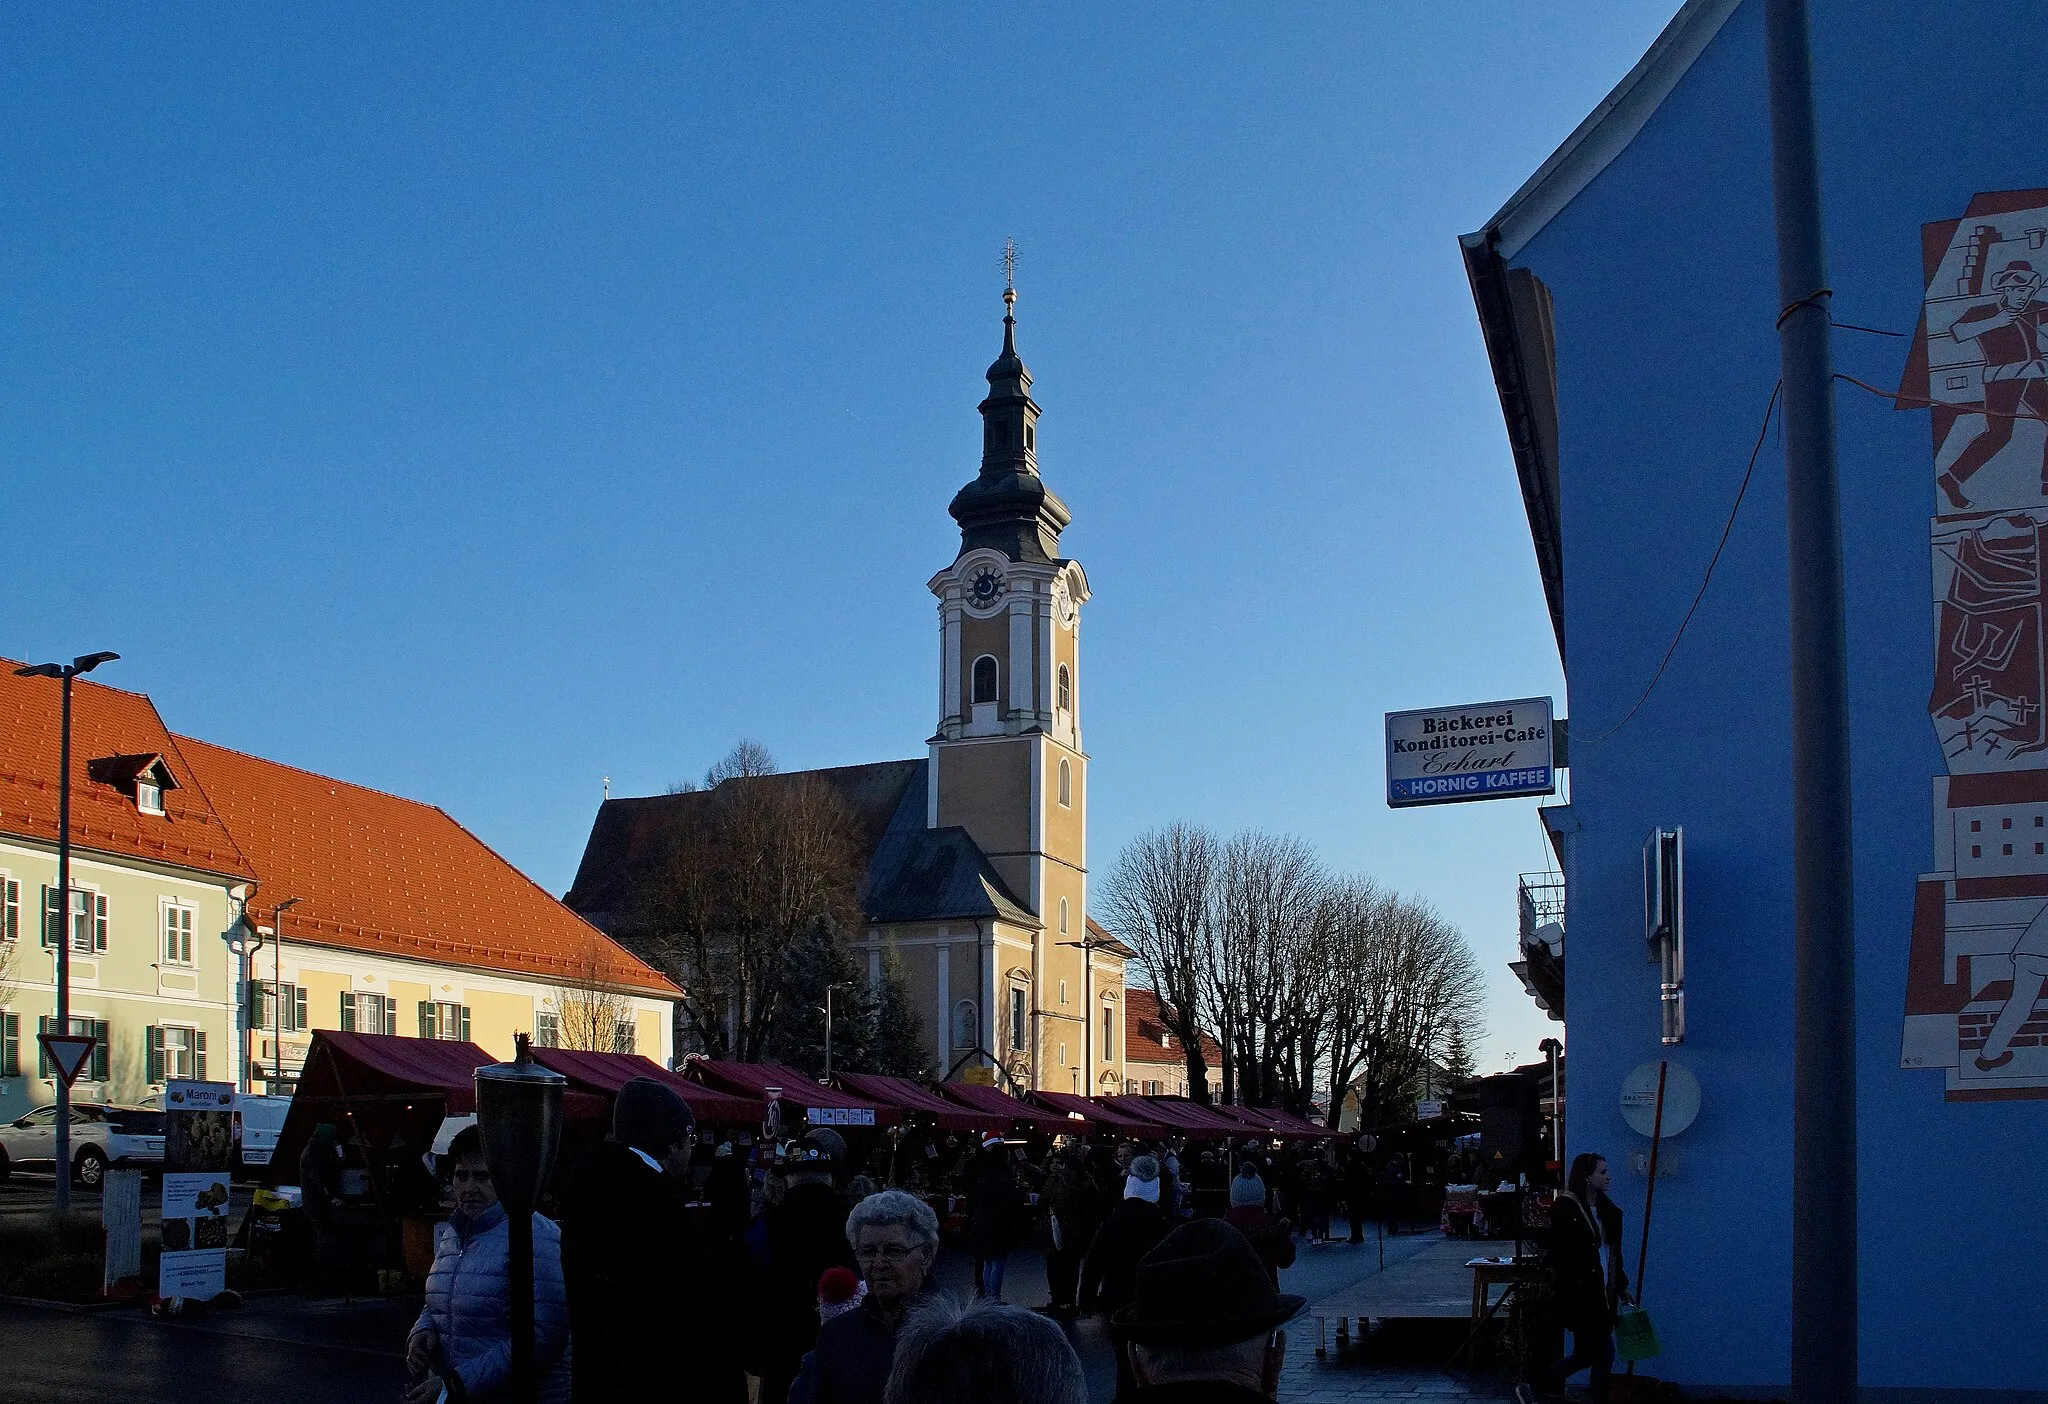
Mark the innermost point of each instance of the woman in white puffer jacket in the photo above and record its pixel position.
(462, 1342)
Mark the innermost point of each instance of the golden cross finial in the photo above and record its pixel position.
(1009, 270)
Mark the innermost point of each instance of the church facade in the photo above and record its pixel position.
(976, 868)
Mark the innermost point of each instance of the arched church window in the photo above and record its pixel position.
(965, 1031)
(1063, 930)
(985, 678)
(1066, 689)
(1066, 788)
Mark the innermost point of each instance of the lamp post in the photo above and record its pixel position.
(1088, 945)
(66, 672)
(276, 1080)
(1552, 1047)
(519, 1115)
(827, 1011)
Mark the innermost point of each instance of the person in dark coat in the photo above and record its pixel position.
(641, 1291)
(1582, 1221)
(993, 1199)
(1109, 1276)
(1204, 1324)
(1357, 1191)
(1209, 1186)
(789, 1247)
(727, 1191)
(894, 1236)
(1075, 1204)
(1272, 1239)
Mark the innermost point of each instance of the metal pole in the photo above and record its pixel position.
(1087, 1021)
(64, 921)
(519, 1245)
(828, 1032)
(1824, 1288)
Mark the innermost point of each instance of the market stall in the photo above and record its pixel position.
(1287, 1124)
(998, 1110)
(800, 1094)
(1188, 1118)
(1100, 1114)
(912, 1098)
(605, 1073)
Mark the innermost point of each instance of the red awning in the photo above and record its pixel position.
(909, 1096)
(606, 1073)
(1005, 1110)
(799, 1091)
(1098, 1113)
(1286, 1123)
(1187, 1118)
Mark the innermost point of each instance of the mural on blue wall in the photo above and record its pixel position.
(1979, 363)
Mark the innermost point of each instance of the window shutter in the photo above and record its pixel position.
(348, 1012)
(10, 1045)
(99, 921)
(299, 1024)
(53, 919)
(199, 1042)
(10, 915)
(465, 1023)
(252, 1004)
(99, 1050)
(427, 1029)
(42, 1056)
(156, 1054)
(390, 1015)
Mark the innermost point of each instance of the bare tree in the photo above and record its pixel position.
(589, 1006)
(755, 869)
(1419, 981)
(1268, 901)
(1159, 900)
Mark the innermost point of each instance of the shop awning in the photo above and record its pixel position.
(911, 1097)
(821, 1105)
(1099, 1114)
(1286, 1123)
(1188, 1118)
(999, 1110)
(606, 1073)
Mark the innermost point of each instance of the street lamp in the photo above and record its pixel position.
(827, 1011)
(1088, 945)
(276, 1080)
(1553, 1048)
(65, 672)
(519, 1115)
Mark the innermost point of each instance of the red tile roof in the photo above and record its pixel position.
(392, 876)
(1144, 1033)
(105, 721)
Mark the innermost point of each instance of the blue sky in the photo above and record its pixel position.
(473, 402)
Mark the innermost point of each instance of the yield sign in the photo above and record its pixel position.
(68, 1052)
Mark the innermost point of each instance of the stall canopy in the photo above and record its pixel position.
(606, 1073)
(911, 1097)
(380, 1086)
(1188, 1118)
(1286, 1123)
(998, 1107)
(1100, 1114)
(821, 1105)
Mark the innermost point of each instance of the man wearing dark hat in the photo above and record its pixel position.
(637, 1287)
(1205, 1325)
(790, 1246)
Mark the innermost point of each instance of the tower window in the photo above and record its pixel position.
(1066, 787)
(1065, 691)
(1063, 931)
(985, 678)
(1027, 436)
(1016, 1019)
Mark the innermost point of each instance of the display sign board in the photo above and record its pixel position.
(1428, 1111)
(199, 1150)
(1492, 750)
(199, 1126)
(840, 1116)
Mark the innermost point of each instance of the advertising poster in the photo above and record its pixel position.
(1494, 750)
(199, 1125)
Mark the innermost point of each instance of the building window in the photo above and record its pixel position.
(966, 1027)
(1109, 1032)
(1017, 1040)
(10, 1044)
(624, 1037)
(1063, 930)
(175, 1052)
(95, 1029)
(547, 1031)
(10, 908)
(1063, 984)
(178, 934)
(449, 1022)
(1066, 783)
(1063, 1055)
(1027, 436)
(985, 679)
(1066, 690)
(88, 920)
(264, 1012)
(149, 797)
(362, 1012)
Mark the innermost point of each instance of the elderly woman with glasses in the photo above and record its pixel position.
(895, 1236)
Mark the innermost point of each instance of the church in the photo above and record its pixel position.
(976, 871)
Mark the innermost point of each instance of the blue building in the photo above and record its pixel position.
(1627, 295)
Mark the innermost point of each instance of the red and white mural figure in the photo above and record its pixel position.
(1979, 362)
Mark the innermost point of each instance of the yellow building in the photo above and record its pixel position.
(977, 855)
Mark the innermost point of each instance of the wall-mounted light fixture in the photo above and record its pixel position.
(1664, 920)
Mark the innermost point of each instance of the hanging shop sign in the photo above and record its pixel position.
(1493, 750)
(840, 1116)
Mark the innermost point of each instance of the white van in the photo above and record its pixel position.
(258, 1121)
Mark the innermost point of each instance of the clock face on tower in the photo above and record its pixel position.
(985, 588)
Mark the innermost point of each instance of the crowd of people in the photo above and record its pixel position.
(793, 1265)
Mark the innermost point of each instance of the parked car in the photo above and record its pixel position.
(101, 1135)
(258, 1120)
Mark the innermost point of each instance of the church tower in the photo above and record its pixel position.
(1007, 762)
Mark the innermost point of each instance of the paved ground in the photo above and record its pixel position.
(28, 1193)
(287, 1349)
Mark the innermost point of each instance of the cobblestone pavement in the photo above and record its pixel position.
(1311, 1381)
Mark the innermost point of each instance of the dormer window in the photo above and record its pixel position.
(143, 778)
(149, 797)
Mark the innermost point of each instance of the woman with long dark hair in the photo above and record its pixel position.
(1582, 1222)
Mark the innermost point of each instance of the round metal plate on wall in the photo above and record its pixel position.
(1639, 1098)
